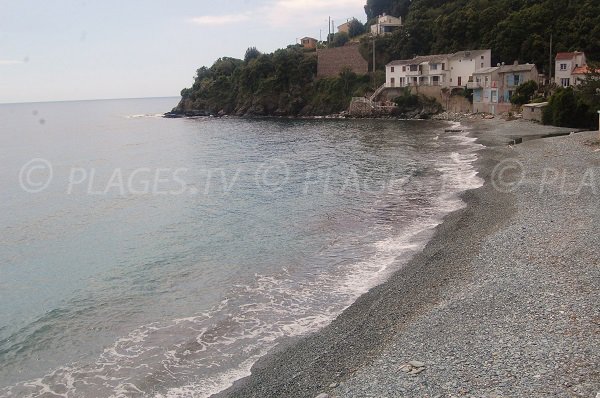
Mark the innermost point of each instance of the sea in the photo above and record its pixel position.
(145, 256)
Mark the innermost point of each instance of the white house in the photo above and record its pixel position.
(566, 63)
(386, 24)
(445, 70)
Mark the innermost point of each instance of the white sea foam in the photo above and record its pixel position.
(204, 354)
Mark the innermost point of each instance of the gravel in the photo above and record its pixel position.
(526, 322)
(503, 301)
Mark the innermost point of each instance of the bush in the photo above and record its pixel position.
(406, 99)
(355, 28)
(524, 93)
(251, 53)
(339, 39)
(567, 108)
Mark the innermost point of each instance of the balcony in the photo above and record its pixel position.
(413, 73)
(488, 84)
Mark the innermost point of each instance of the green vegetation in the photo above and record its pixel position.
(406, 99)
(524, 93)
(355, 28)
(416, 104)
(513, 29)
(281, 83)
(339, 39)
(569, 107)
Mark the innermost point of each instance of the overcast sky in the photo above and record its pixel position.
(88, 49)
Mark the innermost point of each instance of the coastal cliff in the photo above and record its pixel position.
(279, 84)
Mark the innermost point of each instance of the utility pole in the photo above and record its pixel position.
(374, 80)
(329, 28)
(550, 64)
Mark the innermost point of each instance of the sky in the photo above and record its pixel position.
(94, 49)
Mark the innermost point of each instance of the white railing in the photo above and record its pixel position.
(378, 91)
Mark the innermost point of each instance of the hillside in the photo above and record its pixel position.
(513, 29)
(278, 84)
(283, 83)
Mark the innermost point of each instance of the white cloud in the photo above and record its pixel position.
(312, 13)
(10, 62)
(220, 19)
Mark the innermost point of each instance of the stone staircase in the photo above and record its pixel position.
(377, 92)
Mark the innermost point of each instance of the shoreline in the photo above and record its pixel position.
(329, 360)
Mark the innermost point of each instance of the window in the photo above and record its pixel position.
(563, 66)
(482, 64)
(565, 82)
(393, 82)
(516, 79)
(433, 66)
(404, 69)
(414, 68)
(482, 57)
(392, 69)
(443, 66)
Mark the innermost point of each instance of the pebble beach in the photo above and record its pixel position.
(502, 302)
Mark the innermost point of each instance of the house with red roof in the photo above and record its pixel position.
(566, 64)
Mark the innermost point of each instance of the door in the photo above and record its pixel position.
(459, 81)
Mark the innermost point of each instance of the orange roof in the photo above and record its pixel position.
(582, 70)
(566, 56)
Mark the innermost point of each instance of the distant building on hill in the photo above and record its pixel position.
(565, 65)
(344, 28)
(331, 61)
(444, 70)
(386, 24)
(309, 42)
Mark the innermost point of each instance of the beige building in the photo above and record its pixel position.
(344, 28)
(308, 42)
(386, 24)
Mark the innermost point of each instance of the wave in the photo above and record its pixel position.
(203, 354)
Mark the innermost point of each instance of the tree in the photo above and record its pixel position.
(355, 28)
(251, 53)
(340, 38)
(524, 93)
(568, 108)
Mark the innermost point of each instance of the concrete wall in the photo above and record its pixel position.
(450, 103)
(492, 108)
(533, 113)
(331, 61)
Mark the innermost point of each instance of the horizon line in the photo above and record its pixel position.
(89, 99)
